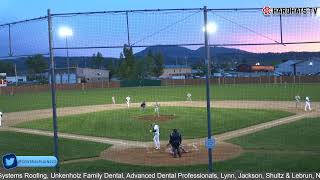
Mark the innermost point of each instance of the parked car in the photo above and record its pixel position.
(277, 74)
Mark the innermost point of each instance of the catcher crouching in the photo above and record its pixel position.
(175, 142)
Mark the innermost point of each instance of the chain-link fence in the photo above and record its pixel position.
(94, 31)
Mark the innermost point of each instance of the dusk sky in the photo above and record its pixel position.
(154, 28)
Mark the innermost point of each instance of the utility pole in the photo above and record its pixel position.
(53, 92)
(128, 30)
(186, 58)
(207, 59)
(15, 72)
(10, 43)
(68, 60)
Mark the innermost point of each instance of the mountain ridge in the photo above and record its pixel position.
(182, 56)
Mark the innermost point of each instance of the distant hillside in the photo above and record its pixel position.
(173, 51)
(167, 51)
(218, 50)
(182, 55)
(219, 55)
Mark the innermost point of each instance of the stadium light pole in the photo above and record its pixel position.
(209, 28)
(15, 73)
(53, 92)
(66, 32)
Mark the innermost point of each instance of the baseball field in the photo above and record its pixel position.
(70, 98)
(257, 127)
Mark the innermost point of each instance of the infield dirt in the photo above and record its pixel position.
(197, 154)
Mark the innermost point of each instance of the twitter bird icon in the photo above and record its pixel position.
(9, 161)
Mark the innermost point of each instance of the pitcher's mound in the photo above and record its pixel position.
(156, 118)
(196, 154)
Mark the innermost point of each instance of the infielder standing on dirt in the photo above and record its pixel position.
(156, 135)
(113, 100)
(308, 105)
(0, 118)
(156, 109)
(297, 98)
(128, 101)
(189, 97)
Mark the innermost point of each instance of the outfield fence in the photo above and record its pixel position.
(11, 90)
(245, 80)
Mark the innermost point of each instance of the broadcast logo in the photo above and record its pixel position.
(9, 161)
(268, 11)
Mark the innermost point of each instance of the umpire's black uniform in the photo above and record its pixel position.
(143, 105)
(175, 141)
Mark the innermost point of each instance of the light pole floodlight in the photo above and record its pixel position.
(212, 27)
(65, 31)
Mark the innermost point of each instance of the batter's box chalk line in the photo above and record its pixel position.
(195, 147)
(148, 150)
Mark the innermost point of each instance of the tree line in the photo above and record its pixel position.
(126, 67)
(130, 67)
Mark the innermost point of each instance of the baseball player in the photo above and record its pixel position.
(156, 109)
(128, 101)
(189, 97)
(297, 98)
(143, 105)
(308, 105)
(0, 118)
(156, 135)
(175, 142)
(113, 100)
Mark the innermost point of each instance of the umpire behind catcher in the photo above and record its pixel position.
(175, 142)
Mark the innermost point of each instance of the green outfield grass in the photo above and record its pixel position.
(27, 145)
(31, 101)
(123, 124)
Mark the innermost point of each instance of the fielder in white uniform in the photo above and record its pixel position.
(189, 97)
(128, 100)
(156, 109)
(0, 118)
(297, 98)
(156, 135)
(308, 105)
(113, 100)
